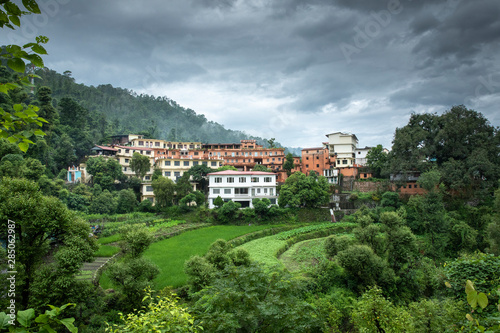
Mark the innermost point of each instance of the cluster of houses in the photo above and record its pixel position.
(337, 156)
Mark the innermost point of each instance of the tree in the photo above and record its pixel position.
(104, 203)
(163, 189)
(288, 165)
(249, 299)
(227, 167)
(300, 190)
(127, 201)
(140, 165)
(161, 313)
(22, 122)
(461, 143)
(199, 175)
(43, 226)
(183, 186)
(376, 159)
(261, 167)
(271, 143)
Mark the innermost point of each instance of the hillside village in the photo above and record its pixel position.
(337, 159)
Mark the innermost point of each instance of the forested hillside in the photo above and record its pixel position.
(127, 112)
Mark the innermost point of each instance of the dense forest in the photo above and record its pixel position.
(124, 111)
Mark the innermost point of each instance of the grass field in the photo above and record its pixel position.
(106, 251)
(170, 254)
(109, 239)
(304, 255)
(264, 249)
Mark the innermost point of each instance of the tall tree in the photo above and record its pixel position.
(288, 165)
(163, 189)
(140, 165)
(376, 159)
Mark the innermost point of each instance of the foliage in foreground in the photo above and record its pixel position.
(161, 314)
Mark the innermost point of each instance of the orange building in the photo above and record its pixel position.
(316, 159)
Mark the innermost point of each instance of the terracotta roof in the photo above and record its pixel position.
(104, 148)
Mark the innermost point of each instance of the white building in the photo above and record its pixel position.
(343, 146)
(241, 186)
(361, 155)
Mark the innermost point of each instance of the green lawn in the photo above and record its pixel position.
(170, 254)
(304, 255)
(106, 251)
(264, 249)
(110, 239)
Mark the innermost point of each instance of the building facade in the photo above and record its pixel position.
(343, 146)
(241, 186)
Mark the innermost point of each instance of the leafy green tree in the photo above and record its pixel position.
(376, 159)
(161, 313)
(43, 226)
(261, 167)
(228, 211)
(103, 203)
(135, 239)
(218, 202)
(140, 165)
(247, 298)
(288, 165)
(127, 201)
(199, 175)
(300, 190)
(364, 268)
(183, 186)
(374, 313)
(20, 123)
(163, 189)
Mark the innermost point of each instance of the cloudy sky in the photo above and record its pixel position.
(294, 70)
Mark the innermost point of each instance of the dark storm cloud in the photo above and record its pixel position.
(291, 69)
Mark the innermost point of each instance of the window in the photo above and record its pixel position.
(141, 143)
(230, 179)
(243, 180)
(186, 163)
(167, 163)
(213, 163)
(344, 161)
(177, 163)
(317, 165)
(307, 165)
(127, 160)
(241, 190)
(195, 162)
(273, 201)
(227, 191)
(191, 146)
(307, 157)
(157, 144)
(268, 179)
(168, 173)
(265, 191)
(218, 180)
(317, 157)
(216, 191)
(255, 179)
(127, 151)
(196, 153)
(271, 192)
(409, 186)
(256, 154)
(338, 162)
(149, 188)
(124, 168)
(177, 174)
(258, 191)
(274, 159)
(232, 154)
(204, 163)
(147, 177)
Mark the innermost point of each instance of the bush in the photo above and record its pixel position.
(335, 244)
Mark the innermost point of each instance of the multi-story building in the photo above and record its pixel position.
(316, 159)
(343, 146)
(124, 157)
(241, 186)
(360, 154)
